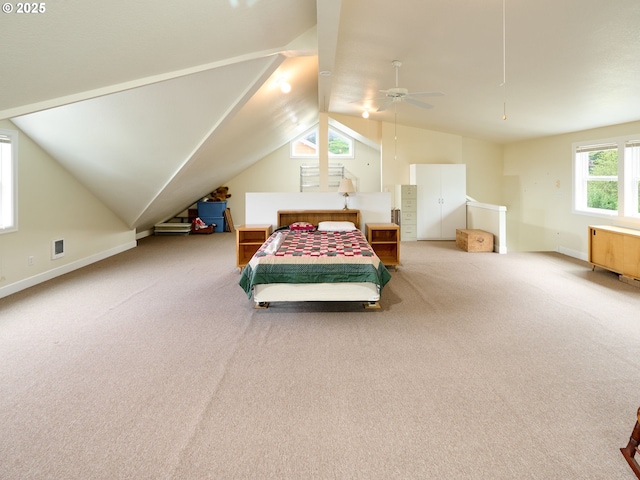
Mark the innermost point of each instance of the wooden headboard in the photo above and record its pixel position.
(287, 217)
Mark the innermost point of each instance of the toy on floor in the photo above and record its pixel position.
(220, 194)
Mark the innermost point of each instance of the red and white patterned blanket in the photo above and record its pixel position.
(318, 244)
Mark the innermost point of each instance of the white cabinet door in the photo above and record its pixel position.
(429, 206)
(454, 200)
(441, 191)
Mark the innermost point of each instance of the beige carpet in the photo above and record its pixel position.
(154, 365)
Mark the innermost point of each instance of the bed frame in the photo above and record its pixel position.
(311, 292)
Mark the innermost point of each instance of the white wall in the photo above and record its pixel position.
(278, 172)
(375, 207)
(414, 145)
(538, 193)
(484, 162)
(53, 205)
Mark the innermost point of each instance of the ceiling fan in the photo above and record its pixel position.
(398, 94)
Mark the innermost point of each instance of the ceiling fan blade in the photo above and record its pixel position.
(385, 106)
(426, 94)
(398, 94)
(418, 103)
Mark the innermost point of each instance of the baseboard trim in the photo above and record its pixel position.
(500, 249)
(69, 267)
(144, 234)
(573, 253)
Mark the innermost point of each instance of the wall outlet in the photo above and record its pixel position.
(30, 260)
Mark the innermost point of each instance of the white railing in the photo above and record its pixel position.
(490, 218)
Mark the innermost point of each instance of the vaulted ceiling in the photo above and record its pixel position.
(152, 104)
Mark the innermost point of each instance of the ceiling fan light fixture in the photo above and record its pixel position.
(399, 94)
(396, 92)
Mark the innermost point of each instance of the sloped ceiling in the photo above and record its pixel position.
(134, 148)
(204, 107)
(81, 48)
(152, 104)
(265, 122)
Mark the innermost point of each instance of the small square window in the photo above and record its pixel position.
(306, 145)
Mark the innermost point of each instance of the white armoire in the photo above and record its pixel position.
(442, 199)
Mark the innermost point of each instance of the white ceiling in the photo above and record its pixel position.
(570, 65)
(153, 104)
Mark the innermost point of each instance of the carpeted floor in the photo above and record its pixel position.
(154, 365)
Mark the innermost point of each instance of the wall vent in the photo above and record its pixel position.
(57, 248)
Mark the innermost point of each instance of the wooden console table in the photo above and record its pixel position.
(616, 249)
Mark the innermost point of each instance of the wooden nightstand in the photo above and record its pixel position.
(249, 238)
(385, 240)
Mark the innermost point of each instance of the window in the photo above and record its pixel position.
(607, 178)
(632, 158)
(8, 180)
(306, 145)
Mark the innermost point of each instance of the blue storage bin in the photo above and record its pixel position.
(218, 221)
(211, 209)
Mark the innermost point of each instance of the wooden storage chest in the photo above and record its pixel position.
(473, 240)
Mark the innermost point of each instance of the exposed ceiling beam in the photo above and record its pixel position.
(328, 26)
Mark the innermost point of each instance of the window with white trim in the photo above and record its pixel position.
(607, 178)
(632, 169)
(8, 181)
(306, 145)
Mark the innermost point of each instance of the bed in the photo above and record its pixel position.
(315, 255)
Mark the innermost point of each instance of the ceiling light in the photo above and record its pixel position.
(365, 114)
(285, 87)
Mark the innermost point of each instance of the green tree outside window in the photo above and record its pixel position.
(603, 193)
